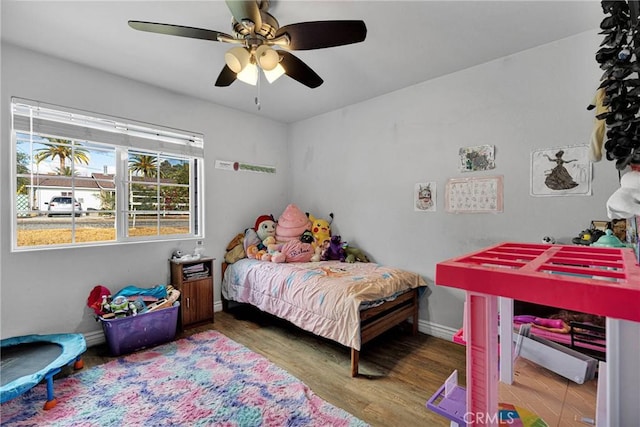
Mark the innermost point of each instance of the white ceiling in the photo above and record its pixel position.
(407, 42)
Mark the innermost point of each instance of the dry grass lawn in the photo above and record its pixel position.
(57, 236)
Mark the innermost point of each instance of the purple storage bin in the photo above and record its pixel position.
(129, 334)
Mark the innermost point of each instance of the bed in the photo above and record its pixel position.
(347, 303)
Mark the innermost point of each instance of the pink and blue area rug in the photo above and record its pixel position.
(204, 380)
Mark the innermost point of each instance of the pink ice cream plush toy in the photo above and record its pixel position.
(291, 224)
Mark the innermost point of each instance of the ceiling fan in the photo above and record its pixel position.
(257, 33)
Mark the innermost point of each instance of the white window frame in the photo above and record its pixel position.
(28, 116)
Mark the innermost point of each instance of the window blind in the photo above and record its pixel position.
(65, 123)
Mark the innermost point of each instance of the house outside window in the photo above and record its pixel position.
(83, 179)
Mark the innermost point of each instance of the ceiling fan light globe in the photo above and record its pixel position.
(275, 74)
(267, 57)
(249, 74)
(237, 58)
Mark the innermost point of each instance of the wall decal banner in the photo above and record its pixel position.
(239, 166)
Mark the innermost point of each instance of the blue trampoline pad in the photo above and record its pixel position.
(24, 359)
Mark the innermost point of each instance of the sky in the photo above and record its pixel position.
(98, 158)
(102, 158)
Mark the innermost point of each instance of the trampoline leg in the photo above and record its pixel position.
(79, 364)
(50, 404)
(51, 401)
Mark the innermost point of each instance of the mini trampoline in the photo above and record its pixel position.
(28, 359)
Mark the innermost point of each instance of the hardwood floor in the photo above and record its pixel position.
(398, 372)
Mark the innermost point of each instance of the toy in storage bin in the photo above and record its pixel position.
(132, 333)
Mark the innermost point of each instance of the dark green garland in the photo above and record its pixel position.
(618, 57)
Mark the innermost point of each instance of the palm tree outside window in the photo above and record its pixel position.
(63, 150)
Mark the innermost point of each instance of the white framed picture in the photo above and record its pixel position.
(563, 171)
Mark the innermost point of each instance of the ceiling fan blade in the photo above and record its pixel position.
(298, 70)
(244, 11)
(177, 30)
(322, 34)
(226, 77)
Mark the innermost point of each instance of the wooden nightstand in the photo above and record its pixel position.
(194, 280)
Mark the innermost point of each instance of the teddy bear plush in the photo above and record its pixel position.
(235, 249)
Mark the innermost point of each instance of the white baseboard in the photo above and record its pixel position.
(94, 338)
(436, 330)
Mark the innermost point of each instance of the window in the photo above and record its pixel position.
(83, 178)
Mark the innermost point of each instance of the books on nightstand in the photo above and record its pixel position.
(195, 271)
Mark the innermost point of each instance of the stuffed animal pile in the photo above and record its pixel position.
(295, 237)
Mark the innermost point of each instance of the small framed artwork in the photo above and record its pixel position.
(564, 171)
(474, 195)
(478, 158)
(424, 197)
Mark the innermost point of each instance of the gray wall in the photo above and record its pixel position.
(45, 291)
(361, 162)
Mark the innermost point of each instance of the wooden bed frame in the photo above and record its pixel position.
(375, 320)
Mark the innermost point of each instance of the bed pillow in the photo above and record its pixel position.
(297, 251)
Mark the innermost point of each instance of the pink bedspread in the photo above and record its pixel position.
(321, 297)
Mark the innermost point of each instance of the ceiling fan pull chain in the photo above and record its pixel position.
(257, 98)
